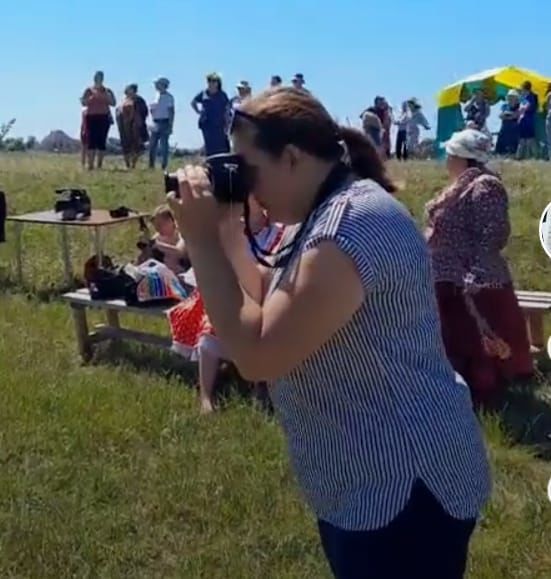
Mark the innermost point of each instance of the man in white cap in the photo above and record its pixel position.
(162, 113)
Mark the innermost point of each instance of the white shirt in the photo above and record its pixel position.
(160, 107)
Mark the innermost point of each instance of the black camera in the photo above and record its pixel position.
(73, 202)
(228, 176)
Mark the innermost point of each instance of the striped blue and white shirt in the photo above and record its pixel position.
(378, 405)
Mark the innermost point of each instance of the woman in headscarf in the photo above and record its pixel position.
(467, 228)
(509, 134)
(131, 120)
(213, 105)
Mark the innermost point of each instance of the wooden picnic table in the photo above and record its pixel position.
(95, 224)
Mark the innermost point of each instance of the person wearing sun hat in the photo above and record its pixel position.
(213, 107)
(467, 228)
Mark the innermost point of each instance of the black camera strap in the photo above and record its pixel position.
(336, 177)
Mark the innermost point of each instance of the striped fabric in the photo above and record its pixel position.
(379, 406)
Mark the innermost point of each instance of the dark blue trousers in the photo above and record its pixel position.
(216, 140)
(423, 542)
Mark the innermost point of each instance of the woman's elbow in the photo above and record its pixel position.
(256, 369)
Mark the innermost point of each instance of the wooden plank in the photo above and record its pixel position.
(82, 298)
(533, 296)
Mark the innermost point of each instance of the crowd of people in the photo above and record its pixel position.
(378, 120)
(212, 106)
(517, 137)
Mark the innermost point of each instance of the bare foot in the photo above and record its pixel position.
(207, 406)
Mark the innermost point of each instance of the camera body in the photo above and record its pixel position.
(75, 201)
(228, 178)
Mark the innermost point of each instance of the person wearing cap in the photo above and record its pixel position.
(467, 228)
(213, 107)
(508, 137)
(529, 104)
(244, 92)
(162, 113)
(298, 82)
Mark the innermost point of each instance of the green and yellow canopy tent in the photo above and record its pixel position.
(495, 83)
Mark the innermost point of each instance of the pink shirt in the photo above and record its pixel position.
(97, 100)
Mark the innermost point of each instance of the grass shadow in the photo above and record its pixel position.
(526, 413)
(142, 358)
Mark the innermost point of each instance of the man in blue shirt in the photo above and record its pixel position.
(528, 146)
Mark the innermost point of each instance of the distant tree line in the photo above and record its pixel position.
(11, 144)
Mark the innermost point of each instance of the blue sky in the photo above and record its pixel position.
(348, 50)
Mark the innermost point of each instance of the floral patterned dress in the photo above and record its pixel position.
(483, 327)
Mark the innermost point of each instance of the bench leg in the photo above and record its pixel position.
(113, 319)
(535, 329)
(82, 334)
(18, 231)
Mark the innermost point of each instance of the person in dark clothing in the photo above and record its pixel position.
(477, 110)
(529, 105)
(213, 107)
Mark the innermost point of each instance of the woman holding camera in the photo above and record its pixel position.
(382, 435)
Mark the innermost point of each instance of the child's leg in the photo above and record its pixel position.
(209, 362)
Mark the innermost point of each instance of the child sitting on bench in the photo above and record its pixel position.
(167, 244)
(192, 334)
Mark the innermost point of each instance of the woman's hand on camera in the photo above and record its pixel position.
(195, 210)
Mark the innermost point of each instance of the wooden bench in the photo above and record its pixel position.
(80, 301)
(535, 305)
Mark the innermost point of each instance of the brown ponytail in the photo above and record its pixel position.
(365, 159)
(289, 116)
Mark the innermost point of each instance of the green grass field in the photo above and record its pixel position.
(108, 471)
